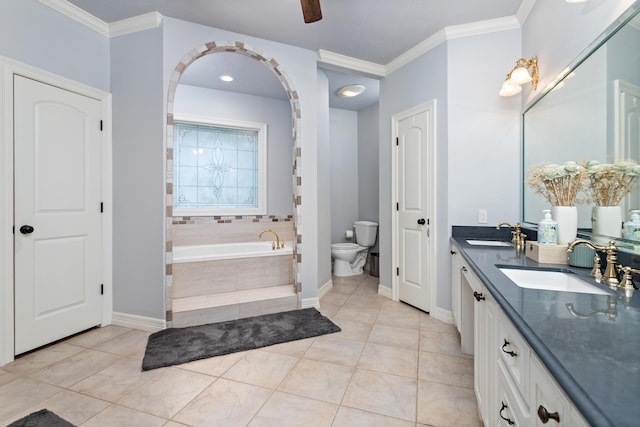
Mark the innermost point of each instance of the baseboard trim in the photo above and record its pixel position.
(443, 315)
(385, 291)
(138, 322)
(324, 289)
(310, 303)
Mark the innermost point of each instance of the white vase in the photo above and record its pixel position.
(567, 219)
(607, 220)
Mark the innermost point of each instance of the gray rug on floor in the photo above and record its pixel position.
(181, 345)
(42, 418)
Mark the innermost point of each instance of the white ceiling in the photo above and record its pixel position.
(377, 31)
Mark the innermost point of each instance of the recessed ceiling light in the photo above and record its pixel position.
(226, 78)
(350, 91)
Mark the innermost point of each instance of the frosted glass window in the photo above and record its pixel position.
(219, 169)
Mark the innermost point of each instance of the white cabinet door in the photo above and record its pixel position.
(456, 267)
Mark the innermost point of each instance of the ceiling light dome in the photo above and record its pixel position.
(350, 91)
(226, 78)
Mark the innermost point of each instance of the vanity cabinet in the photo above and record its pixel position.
(512, 386)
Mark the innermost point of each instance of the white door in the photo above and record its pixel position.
(414, 177)
(57, 194)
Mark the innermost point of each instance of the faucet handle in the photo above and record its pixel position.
(281, 244)
(627, 279)
(596, 271)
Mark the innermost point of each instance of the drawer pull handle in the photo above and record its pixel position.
(478, 296)
(453, 252)
(510, 352)
(545, 416)
(508, 420)
(464, 269)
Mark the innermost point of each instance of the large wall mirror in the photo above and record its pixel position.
(590, 112)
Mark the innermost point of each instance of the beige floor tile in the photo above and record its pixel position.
(42, 358)
(22, 394)
(293, 348)
(428, 322)
(286, 410)
(318, 380)
(214, 366)
(445, 369)
(399, 319)
(345, 288)
(442, 405)
(167, 393)
(225, 404)
(384, 394)
(261, 368)
(440, 342)
(394, 336)
(73, 407)
(357, 314)
(329, 310)
(335, 298)
(173, 424)
(127, 344)
(350, 330)
(6, 377)
(75, 368)
(118, 416)
(338, 351)
(115, 381)
(349, 417)
(391, 360)
(97, 336)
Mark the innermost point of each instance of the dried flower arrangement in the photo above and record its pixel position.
(559, 184)
(609, 183)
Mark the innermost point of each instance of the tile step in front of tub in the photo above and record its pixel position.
(199, 310)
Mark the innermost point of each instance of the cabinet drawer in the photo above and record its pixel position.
(511, 409)
(513, 352)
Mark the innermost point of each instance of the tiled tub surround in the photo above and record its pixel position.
(296, 114)
(231, 279)
(594, 359)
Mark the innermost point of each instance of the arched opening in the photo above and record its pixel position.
(271, 64)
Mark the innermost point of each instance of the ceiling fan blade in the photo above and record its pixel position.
(311, 10)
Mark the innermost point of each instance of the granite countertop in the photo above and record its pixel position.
(595, 358)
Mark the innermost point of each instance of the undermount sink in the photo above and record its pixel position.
(488, 243)
(550, 280)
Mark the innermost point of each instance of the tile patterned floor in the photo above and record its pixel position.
(391, 365)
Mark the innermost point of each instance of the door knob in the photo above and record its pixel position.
(26, 229)
(421, 221)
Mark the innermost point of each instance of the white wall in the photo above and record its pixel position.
(276, 113)
(181, 37)
(343, 136)
(368, 186)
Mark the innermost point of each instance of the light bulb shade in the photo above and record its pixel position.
(520, 75)
(509, 89)
(350, 91)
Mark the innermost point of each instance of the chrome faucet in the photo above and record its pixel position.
(518, 235)
(610, 275)
(278, 244)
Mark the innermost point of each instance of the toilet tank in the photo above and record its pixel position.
(366, 232)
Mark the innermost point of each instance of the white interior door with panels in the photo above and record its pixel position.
(414, 176)
(58, 247)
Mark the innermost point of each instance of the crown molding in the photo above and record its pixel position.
(524, 11)
(342, 61)
(416, 51)
(135, 24)
(79, 15)
(114, 29)
(482, 27)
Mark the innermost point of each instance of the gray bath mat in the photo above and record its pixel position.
(181, 345)
(42, 418)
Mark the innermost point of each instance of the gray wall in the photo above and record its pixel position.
(276, 113)
(368, 137)
(35, 34)
(343, 136)
(324, 182)
(138, 174)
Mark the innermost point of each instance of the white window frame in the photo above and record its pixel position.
(261, 128)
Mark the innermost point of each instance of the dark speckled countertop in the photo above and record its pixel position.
(595, 359)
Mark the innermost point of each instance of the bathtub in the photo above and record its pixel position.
(198, 253)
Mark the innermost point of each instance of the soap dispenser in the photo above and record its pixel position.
(632, 227)
(548, 229)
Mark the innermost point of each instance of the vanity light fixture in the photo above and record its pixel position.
(519, 75)
(350, 91)
(226, 78)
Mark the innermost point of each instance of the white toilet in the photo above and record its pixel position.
(349, 258)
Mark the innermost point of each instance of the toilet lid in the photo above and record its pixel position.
(345, 246)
